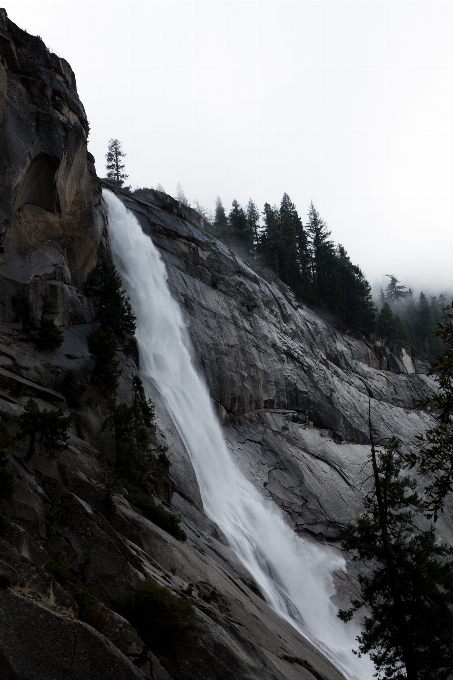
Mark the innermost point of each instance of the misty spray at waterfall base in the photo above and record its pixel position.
(293, 573)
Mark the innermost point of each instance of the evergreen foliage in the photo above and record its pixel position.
(114, 163)
(307, 260)
(23, 310)
(102, 345)
(407, 589)
(72, 388)
(117, 323)
(165, 622)
(133, 455)
(50, 337)
(49, 428)
(322, 251)
(395, 291)
(46, 334)
(140, 466)
(435, 457)
(157, 514)
(220, 223)
(114, 309)
(180, 196)
(352, 299)
(412, 322)
(252, 217)
(238, 224)
(385, 323)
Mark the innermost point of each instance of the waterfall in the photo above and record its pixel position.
(293, 573)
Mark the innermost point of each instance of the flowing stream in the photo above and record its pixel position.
(293, 573)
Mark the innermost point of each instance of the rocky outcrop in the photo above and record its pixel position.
(35, 639)
(50, 222)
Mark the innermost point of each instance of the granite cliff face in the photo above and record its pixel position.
(291, 391)
(50, 223)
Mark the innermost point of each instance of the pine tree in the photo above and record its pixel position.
(407, 590)
(395, 292)
(435, 456)
(271, 238)
(102, 345)
(114, 309)
(385, 325)
(290, 233)
(220, 223)
(115, 165)
(238, 224)
(322, 257)
(180, 196)
(353, 300)
(423, 325)
(49, 335)
(253, 218)
(49, 428)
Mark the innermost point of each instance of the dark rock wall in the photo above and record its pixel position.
(50, 218)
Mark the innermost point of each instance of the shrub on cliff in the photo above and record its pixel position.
(114, 308)
(23, 310)
(117, 323)
(48, 428)
(72, 388)
(158, 514)
(165, 622)
(49, 335)
(102, 345)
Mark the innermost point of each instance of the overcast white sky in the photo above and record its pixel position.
(346, 103)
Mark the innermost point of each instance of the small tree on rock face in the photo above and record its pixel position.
(253, 219)
(435, 457)
(408, 589)
(220, 223)
(180, 195)
(49, 428)
(115, 165)
(49, 335)
(114, 308)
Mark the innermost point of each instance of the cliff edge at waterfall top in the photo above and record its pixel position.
(182, 435)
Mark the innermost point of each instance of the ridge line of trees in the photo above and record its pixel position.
(302, 256)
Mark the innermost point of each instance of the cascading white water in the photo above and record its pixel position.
(294, 574)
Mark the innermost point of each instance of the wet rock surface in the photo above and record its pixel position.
(292, 391)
